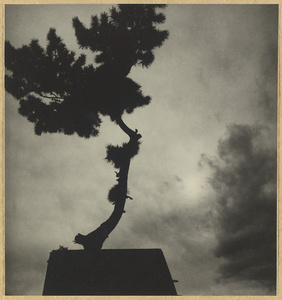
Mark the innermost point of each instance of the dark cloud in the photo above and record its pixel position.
(244, 179)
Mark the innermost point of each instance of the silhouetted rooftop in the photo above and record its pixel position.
(111, 272)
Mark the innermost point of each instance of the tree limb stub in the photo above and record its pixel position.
(132, 134)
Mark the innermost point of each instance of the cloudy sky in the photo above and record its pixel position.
(204, 181)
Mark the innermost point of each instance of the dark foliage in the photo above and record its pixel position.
(59, 93)
(125, 37)
(118, 154)
(116, 193)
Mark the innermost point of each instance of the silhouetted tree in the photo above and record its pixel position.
(59, 93)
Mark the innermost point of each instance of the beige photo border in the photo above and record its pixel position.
(2, 152)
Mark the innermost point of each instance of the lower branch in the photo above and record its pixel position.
(93, 241)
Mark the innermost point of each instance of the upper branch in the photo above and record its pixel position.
(132, 134)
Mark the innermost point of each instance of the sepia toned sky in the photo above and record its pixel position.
(212, 119)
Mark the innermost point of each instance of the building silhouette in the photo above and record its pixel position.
(109, 272)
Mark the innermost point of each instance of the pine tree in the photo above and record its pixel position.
(58, 92)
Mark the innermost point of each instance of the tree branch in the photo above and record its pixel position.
(54, 97)
(93, 241)
(132, 134)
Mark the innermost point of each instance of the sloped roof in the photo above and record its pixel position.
(111, 272)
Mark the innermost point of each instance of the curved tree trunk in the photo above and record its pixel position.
(94, 240)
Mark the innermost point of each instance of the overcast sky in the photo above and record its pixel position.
(204, 180)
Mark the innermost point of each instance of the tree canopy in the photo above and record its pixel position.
(58, 92)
